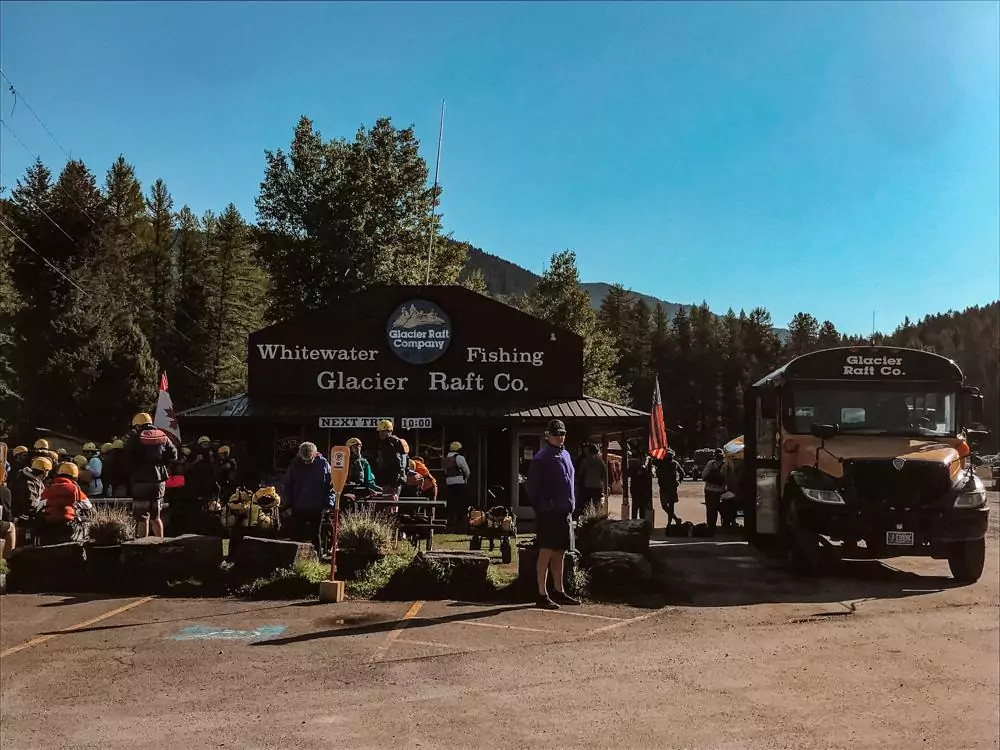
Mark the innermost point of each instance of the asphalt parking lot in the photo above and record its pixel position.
(744, 656)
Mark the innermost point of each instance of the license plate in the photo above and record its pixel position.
(899, 538)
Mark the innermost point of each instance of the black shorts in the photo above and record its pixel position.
(147, 497)
(554, 530)
(5, 526)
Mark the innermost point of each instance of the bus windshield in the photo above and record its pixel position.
(912, 412)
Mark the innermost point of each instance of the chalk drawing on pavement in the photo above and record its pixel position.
(203, 633)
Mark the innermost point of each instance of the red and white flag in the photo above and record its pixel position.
(657, 427)
(165, 418)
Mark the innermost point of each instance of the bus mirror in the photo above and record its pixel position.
(824, 431)
(975, 409)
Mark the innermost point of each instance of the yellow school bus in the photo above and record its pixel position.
(866, 452)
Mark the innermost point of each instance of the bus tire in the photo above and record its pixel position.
(967, 559)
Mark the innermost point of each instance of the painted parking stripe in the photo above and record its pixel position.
(577, 614)
(78, 626)
(624, 623)
(397, 631)
(501, 627)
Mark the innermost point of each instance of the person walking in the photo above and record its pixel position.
(456, 479)
(715, 485)
(593, 479)
(551, 480)
(149, 454)
(307, 492)
(669, 475)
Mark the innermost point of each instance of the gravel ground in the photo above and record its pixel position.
(880, 656)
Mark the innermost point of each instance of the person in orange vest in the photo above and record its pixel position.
(420, 476)
(62, 502)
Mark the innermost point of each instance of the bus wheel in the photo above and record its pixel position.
(804, 552)
(966, 560)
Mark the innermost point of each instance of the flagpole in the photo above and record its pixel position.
(437, 168)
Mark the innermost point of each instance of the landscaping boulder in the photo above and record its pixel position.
(54, 568)
(257, 557)
(618, 570)
(148, 564)
(452, 574)
(621, 536)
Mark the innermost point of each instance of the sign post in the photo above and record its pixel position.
(340, 458)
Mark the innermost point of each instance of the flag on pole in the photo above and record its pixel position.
(165, 418)
(657, 427)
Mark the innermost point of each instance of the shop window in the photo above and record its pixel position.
(429, 445)
(286, 445)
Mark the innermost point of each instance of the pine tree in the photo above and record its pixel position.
(236, 293)
(10, 304)
(560, 299)
(474, 280)
(155, 264)
(803, 334)
(828, 336)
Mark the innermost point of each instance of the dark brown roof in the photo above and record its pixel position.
(586, 408)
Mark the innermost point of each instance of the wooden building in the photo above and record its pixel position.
(444, 363)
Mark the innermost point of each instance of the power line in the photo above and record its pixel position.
(93, 221)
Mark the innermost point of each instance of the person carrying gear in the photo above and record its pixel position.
(225, 471)
(64, 506)
(715, 485)
(419, 476)
(456, 480)
(94, 470)
(307, 492)
(148, 454)
(359, 471)
(669, 474)
(390, 459)
(199, 471)
(27, 486)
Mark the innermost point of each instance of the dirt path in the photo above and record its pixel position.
(873, 657)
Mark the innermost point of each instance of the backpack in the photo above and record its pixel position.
(405, 446)
(451, 466)
(152, 445)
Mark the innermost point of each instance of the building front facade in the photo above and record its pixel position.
(443, 363)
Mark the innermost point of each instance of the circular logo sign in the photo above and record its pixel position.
(419, 332)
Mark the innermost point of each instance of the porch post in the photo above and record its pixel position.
(625, 477)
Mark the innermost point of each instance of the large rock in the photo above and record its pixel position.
(152, 562)
(256, 557)
(452, 575)
(621, 536)
(54, 568)
(610, 571)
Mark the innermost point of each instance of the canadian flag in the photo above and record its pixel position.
(165, 418)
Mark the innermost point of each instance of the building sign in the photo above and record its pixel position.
(415, 423)
(419, 332)
(350, 423)
(404, 346)
(857, 365)
(872, 363)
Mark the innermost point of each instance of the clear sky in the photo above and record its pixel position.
(836, 158)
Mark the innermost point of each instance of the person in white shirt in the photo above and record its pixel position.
(456, 479)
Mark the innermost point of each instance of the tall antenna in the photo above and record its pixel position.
(437, 168)
(873, 326)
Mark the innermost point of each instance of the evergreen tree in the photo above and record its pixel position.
(559, 299)
(803, 334)
(828, 337)
(10, 304)
(156, 265)
(475, 281)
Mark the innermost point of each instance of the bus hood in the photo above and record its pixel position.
(845, 448)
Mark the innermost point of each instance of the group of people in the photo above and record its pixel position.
(52, 492)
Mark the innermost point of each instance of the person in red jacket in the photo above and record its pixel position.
(61, 502)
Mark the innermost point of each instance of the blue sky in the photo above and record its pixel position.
(836, 158)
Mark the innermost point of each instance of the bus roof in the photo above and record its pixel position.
(883, 364)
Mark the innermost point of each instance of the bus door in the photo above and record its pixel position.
(764, 454)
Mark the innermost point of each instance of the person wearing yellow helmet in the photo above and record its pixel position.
(199, 471)
(27, 485)
(91, 473)
(359, 471)
(114, 471)
(226, 470)
(18, 459)
(456, 480)
(391, 461)
(64, 504)
(149, 454)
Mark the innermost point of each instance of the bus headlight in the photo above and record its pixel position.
(828, 497)
(972, 495)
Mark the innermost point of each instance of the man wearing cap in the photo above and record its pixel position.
(307, 491)
(391, 460)
(551, 478)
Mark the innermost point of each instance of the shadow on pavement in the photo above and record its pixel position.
(719, 573)
(385, 626)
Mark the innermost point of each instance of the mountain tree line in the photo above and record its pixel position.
(103, 284)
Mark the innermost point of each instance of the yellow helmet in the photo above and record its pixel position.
(142, 418)
(53, 456)
(67, 469)
(62, 452)
(19, 450)
(41, 445)
(204, 440)
(224, 450)
(267, 497)
(41, 464)
(90, 447)
(117, 445)
(80, 461)
(384, 425)
(185, 451)
(105, 447)
(455, 446)
(354, 441)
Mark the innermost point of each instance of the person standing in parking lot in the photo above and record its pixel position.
(715, 485)
(551, 480)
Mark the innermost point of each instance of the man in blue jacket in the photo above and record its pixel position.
(306, 492)
(551, 479)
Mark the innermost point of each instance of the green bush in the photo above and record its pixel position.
(376, 578)
(365, 532)
(300, 582)
(110, 525)
(3, 567)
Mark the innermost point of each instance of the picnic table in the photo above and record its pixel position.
(418, 527)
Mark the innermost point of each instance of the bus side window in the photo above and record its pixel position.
(767, 426)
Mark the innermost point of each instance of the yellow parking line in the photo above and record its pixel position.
(578, 614)
(78, 626)
(623, 623)
(435, 644)
(393, 634)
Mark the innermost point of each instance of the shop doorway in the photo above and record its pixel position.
(522, 450)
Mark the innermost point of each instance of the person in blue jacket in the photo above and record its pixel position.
(306, 492)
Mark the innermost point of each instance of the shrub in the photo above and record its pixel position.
(373, 580)
(111, 525)
(300, 582)
(365, 532)
(590, 517)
